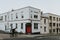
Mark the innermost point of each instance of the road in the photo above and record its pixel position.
(36, 38)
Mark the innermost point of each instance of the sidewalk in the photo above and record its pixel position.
(4, 36)
(34, 35)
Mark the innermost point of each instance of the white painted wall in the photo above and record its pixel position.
(56, 16)
(35, 30)
(26, 12)
(44, 25)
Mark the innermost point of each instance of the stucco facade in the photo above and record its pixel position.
(30, 20)
(20, 18)
(44, 27)
(54, 23)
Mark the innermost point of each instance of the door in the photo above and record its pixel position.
(28, 29)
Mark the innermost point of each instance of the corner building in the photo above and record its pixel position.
(25, 20)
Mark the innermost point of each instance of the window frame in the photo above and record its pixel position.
(44, 21)
(54, 18)
(1, 18)
(36, 16)
(44, 28)
(54, 24)
(22, 16)
(35, 25)
(50, 17)
(21, 25)
(5, 27)
(53, 30)
(5, 17)
(50, 24)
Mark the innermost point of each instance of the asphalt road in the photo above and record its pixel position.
(37, 38)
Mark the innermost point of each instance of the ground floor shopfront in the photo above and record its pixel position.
(21, 26)
(26, 27)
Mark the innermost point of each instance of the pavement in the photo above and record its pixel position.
(28, 37)
(35, 35)
(5, 36)
(36, 38)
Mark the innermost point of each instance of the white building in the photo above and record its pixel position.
(44, 26)
(27, 20)
(54, 23)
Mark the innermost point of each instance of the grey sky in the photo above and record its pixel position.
(52, 6)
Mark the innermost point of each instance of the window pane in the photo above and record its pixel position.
(50, 24)
(44, 29)
(57, 24)
(54, 18)
(5, 17)
(1, 17)
(35, 25)
(31, 15)
(41, 13)
(35, 16)
(44, 21)
(50, 17)
(53, 24)
(53, 30)
(22, 16)
(59, 19)
(21, 25)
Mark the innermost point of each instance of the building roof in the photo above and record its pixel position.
(20, 9)
(46, 14)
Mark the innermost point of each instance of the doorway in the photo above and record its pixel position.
(28, 28)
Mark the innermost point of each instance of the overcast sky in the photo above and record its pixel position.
(51, 6)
